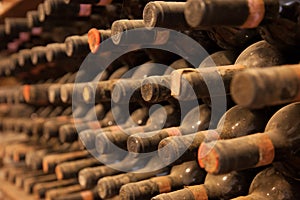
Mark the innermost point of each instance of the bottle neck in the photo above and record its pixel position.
(222, 157)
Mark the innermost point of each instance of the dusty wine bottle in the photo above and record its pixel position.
(120, 27)
(83, 195)
(236, 122)
(88, 177)
(137, 118)
(56, 52)
(69, 132)
(181, 175)
(276, 145)
(77, 45)
(162, 117)
(14, 26)
(38, 55)
(19, 181)
(245, 14)
(148, 141)
(39, 189)
(31, 182)
(57, 7)
(52, 194)
(36, 94)
(70, 169)
(157, 88)
(224, 186)
(271, 184)
(265, 87)
(109, 186)
(50, 161)
(188, 84)
(98, 2)
(165, 14)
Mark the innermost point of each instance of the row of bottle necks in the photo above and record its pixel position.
(81, 141)
(195, 18)
(273, 79)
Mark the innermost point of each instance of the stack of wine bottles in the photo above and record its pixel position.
(160, 100)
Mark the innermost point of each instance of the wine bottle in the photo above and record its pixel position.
(156, 91)
(162, 117)
(39, 189)
(54, 90)
(137, 118)
(224, 186)
(277, 145)
(50, 161)
(242, 14)
(14, 26)
(38, 55)
(271, 184)
(77, 45)
(59, 7)
(30, 182)
(255, 56)
(98, 2)
(165, 14)
(68, 90)
(265, 87)
(83, 195)
(236, 122)
(52, 194)
(70, 169)
(55, 52)
(181, 175)
(36, 94)
(109, 186)
(156, 88)
(68, 132)
(269, 16)
(195, 120)
(288, 20)
(88, 177)
(19, 180)
(119, 28)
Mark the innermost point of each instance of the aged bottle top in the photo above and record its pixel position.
(38, 55)
(256, 88)
(56, 52)
(119, 28)
(15, 25)
(276, 145)
(245, 14)
(165, 14)
(70, 169)
(77, 45)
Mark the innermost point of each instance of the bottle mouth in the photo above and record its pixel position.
(53, 93)
(69, 47)
(150, 15)
(94, 40)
